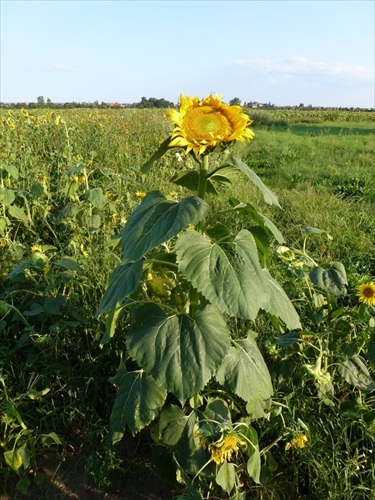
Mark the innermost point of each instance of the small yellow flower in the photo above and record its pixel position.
(200, 124)
(173, 193)
(36, 248)
(191, 227)
(222, 450)
(140, 194)
(297, 442)
(43, 180)
(46, 268)
(83, 251)
(366, 293)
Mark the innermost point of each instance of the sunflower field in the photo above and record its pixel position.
(189, 295)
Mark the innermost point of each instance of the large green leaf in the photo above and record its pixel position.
(254, 466)
(190, 454)
(96, 197)
(226, 477)
(139, 399)
(7, 196)
(268, 195)
(179, 352)
(13, 459)
(279, 304)
(190, 180)
(356, 373)
(260, 219)
(18, 213)
(229, 275)
(217, 411)
(172, 423)
(332, 280)
(111, 322)
(156, 220)
(244, 372)
(124, 281)
(11, 170)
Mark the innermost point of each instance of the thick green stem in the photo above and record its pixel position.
(202, 186)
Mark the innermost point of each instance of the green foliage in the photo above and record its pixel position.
(182, 343)
(92, 278)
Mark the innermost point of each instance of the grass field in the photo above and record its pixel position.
(69, 180)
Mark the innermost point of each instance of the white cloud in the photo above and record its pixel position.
(64, 68)
(301, 66)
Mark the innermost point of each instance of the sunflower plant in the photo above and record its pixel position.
(183, 283)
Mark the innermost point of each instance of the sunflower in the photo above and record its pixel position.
(366, 293)
(297, 442)
(222, 450)
(200, 124)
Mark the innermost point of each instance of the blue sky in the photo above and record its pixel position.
(283, 52)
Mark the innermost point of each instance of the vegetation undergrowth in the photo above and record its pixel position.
(70, 184)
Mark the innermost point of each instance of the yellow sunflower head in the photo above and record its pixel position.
(366, 293)
(222, 450)
(201, 124)
(297, 442)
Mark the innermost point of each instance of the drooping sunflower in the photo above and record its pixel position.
(201, 124)
(366, 293)
(222, 450)
(297, 442)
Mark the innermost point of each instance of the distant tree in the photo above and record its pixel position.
(152, 102)
(236, 101)
(40, 101)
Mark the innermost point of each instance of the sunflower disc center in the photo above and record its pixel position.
(206, 123)
(368, 292)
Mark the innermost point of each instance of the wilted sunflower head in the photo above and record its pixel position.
(200, 124)
(222, 450)
(366, 293)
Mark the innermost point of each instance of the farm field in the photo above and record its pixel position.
(69, 182)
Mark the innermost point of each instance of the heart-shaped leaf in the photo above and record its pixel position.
(268, 195)
(124, 281)
(332, 280)
(229, 275)
(244, 372)
(356, 373)
(226, 477)
(156, 220)
(179, 352)
(139, 399)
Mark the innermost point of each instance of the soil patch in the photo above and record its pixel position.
(69, 479)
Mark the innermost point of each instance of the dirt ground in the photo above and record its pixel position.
(69, 479)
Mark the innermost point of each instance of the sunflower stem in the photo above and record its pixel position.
(202, 186)
(202, 183)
